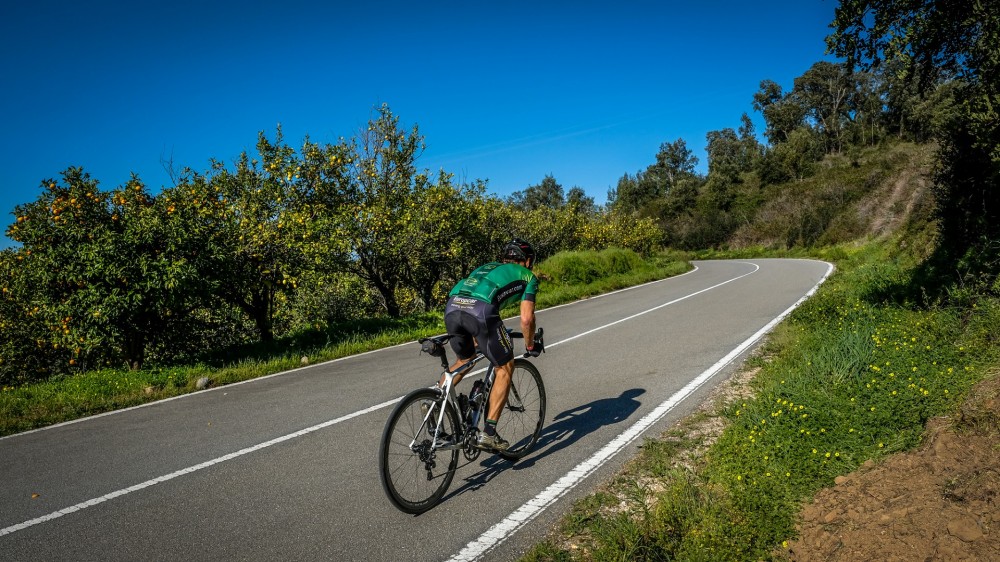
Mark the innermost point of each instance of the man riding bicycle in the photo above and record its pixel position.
(472, 315)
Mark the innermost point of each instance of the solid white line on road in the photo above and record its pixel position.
(266, 444)
(189, 470)
(658, 307)
(498, 533)
(282, 373)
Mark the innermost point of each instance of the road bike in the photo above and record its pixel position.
(426, 431)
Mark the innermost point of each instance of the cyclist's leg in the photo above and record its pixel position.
(524, 414)
(462, 326)
(500, 352)
(498, 395)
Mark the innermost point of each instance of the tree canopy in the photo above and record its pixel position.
(275, 241)
(292, 238)
(932, 45)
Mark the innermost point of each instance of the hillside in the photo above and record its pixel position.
(938, 501)
(873, 194)
(907, 490)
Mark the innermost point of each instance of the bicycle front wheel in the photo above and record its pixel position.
(414, 474)
(522, 419)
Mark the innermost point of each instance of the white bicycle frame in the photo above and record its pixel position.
(451, 398)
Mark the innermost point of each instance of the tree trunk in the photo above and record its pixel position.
(427, 294)
(259, 309)
(262, 313)
(135, 350)
(388, 298)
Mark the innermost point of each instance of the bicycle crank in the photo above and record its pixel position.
(469, 449)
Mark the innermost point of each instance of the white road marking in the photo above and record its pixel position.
(200, 392)
(282, 373)
(266, 444)
(498, 533)
(189, 470)
(658, 307)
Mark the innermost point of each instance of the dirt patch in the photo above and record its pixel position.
(938, 502)
(888, 208)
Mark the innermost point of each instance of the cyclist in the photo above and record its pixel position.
(472, 315)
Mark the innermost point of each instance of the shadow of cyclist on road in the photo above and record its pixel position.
(567, 428)
(571, 425)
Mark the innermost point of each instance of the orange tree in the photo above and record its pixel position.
(374, 223)
(403, 231)
(24, 354)
(443, 236)
(100, 278)
(189, 224)
(272, 220)
(254, 262)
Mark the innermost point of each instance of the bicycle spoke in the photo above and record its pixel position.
(416, 477)
(522, 420)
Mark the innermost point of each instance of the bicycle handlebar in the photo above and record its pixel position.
(539, 342)
(434, 346)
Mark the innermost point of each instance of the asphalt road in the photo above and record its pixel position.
(285, 467)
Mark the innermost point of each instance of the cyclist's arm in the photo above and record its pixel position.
(528, 322)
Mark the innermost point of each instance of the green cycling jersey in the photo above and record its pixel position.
(499, 284)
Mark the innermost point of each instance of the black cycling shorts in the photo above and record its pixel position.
(467, 318)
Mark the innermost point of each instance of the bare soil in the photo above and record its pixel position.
(939, 502)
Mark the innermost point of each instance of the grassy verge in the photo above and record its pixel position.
(854, 374)
(36, 405)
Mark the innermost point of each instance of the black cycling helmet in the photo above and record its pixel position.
(518, 250)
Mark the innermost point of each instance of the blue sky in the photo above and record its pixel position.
(503, 91)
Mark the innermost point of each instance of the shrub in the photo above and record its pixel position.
(587, 266)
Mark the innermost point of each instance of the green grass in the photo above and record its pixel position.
(570, 276)
(853, 374)
(66, 398)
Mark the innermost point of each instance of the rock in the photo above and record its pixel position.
(304, 360)
(966, 529)
(832, 516)
(946, 552)
(202, 383)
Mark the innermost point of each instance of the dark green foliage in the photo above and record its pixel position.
(783, 114)
(828, 92)
(549, 193)
(675, 163)
(968, 181)
(931, 45)
(578, 200)
(282, 243)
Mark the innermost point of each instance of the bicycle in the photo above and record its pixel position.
(419, 450)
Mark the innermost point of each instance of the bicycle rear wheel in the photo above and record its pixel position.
(522, 419)
(415, 476)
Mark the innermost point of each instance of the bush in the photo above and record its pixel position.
(587, 266)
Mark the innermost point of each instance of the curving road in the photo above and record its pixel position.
(284, 467)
